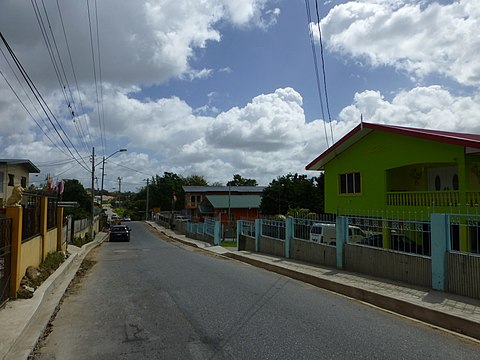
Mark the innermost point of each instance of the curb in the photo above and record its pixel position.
(48, 297)
(429, 316)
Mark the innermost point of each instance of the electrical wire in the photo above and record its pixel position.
(87, 132)
(40, 99)
(323, 71)
(95, 74)
(315, 63)
(58, 65)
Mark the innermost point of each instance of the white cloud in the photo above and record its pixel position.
(430, 107)
(413, 36)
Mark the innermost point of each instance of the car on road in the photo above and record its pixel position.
(127, 218)
(119, 233)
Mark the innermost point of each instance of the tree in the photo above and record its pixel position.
(293, 192)
(196, 180)
(74, 191)
(163, 190)
(238, 180)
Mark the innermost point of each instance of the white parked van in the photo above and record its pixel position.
(326, 233)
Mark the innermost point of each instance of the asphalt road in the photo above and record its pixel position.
(153, 299)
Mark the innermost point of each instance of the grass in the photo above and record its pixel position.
(228, 244)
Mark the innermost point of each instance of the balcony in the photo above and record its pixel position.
(426, 199)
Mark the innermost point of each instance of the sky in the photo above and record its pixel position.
(220, 87)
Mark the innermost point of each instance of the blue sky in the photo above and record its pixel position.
(217, 88)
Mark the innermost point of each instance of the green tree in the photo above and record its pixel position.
(293, 191)
(74, 191)
(162, 190)
(238, 180)
(196, 180)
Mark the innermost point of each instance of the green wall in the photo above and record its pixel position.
(378, 152)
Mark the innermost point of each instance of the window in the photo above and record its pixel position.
(11, 179)
(350, 183)
(23, 182)
(192, 199)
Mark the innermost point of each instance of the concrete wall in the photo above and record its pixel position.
(31, 254)
(51, 241)
(272, 246)
(408, 268)
(246, 243)
(463, 274)
(314, 253)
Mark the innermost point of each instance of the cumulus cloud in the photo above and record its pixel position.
(432, 107)
(413, 36)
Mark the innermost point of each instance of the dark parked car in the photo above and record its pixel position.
(373, 240)
(119, 233)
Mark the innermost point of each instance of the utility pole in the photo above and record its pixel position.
(119, 190)
(93, 191)
(146, 208)
(103, 174)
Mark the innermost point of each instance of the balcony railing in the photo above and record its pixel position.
(432, 198)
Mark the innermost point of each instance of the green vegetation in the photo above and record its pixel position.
(79, 241)
(293, 193)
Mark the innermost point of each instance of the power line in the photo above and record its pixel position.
(57, 65)
(76, 81)
(315, 63)
(40, 99)
(95, 75)
(100, 76)
(323, 70)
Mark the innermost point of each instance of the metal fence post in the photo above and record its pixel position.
(341, 239)
(217, 233)
(288, 235)
(440, 245)
(258, 232)
(239, 232)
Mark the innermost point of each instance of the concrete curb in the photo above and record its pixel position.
(433, 317)
(42, 305)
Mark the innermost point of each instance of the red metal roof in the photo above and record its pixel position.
(361, 130)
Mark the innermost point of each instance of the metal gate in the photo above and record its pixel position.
(5, 258)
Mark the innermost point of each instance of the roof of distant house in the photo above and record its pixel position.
(30, 166)
(470, 141)
(225, 189)
(235, 201)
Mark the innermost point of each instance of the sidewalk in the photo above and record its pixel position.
(448, 311)
(23, 321)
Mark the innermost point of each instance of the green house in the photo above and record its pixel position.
(408, 172)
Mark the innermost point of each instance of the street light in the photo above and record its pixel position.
(103, 173)
(93, 183)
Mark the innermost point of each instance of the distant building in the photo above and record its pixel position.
(14, 172)
(239, 201)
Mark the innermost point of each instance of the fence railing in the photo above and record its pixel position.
(5, 250)
(210, 226)
(248, 228)
(465, 233)
(32, 207)
(51, 212)
(408, 236)
(273, 228)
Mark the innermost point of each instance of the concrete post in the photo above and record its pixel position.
(342, 238)
(258, 233)
(440, 245)
(217, 233)
(239, 233)
(288, 235)
(16, 214)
